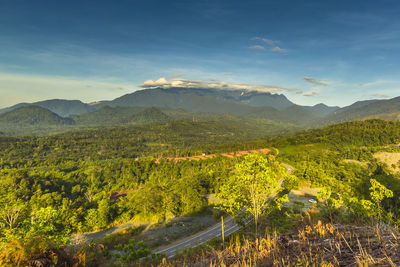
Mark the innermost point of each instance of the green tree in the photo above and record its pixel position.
(378, 192)
(256, 180)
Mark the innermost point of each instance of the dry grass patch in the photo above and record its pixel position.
(392, 159)
(316, 244)
(362, 163)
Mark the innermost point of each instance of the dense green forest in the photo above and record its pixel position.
(53, 186)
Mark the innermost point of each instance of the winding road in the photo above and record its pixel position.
(230, 227)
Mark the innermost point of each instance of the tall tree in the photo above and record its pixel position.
(256, 181)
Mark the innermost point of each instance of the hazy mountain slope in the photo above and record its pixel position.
(387, 117)
(61, 107)
(106, 115)
(64, 108)
(358, 104)
(364, 109)
(189, 99)
(33, 115)
(205, 100)
(273, 107)
(215, 101)
(299, 115)
(148, 115)
(257, 99)
(321, 110)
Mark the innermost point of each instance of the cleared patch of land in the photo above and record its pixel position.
(301, 197)
(392, 159)
(209, 156)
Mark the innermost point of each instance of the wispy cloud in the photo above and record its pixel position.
(316, 81)
(312, 93)
(257, 47)
(380, 95)
(215, 84)
(273, 45)
(278, 49)
(266, 40)
(177, 75)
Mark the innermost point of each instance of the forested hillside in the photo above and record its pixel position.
(54, 186)
(33, 115)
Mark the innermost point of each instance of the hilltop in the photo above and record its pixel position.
(33, 115)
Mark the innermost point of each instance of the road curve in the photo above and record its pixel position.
(214, 231)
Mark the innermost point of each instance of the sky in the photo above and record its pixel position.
(312, 51)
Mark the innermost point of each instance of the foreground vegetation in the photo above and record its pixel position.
(309, 243)
(53, 186)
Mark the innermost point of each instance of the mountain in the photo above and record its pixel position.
(121, 115)
(33, 115)
(364, 109)
(148, 115)
(259, 99)
(299, 115)
(240, 103)
(106, 115)
(61, 107)
(64, 108)
(205, 100)
(192, 101)
(321, 110)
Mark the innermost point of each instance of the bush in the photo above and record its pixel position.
(132, 251)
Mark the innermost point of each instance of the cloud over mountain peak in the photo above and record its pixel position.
(215, 84)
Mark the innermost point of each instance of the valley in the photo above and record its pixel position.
(69, 180)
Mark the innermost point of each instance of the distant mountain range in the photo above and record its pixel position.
(34, 115)
(160, 105)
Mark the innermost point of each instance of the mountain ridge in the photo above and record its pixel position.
(245, 103)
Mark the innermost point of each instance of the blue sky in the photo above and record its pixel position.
(336, 52)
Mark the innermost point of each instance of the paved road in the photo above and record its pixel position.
(230, 227)
(200, 238)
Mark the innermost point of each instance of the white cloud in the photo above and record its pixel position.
(257, 47)
(215, 84)
(316, 81)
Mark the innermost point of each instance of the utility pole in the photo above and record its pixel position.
(222, 231)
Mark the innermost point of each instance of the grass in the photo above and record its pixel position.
(312, 244)
(362, 163)
(123, 237)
